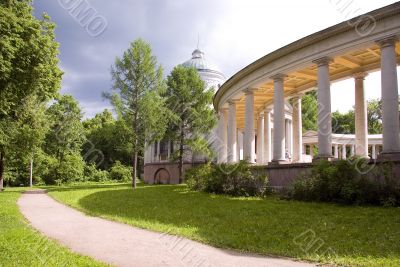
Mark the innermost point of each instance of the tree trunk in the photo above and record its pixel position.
(134, 173)
(1, 172)
(181, 156)
(135, 148)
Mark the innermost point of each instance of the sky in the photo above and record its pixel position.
(231, 33)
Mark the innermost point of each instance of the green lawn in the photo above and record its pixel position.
(20, 245)
(357, 236)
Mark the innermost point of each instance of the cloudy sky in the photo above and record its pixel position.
(233, 33)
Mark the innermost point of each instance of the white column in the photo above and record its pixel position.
(223, 135)
(361, 124)
(390, 104)
(249, 135)
(232, 133)
(373, 152)
(324, 109)
(344, 152)
(279, 120)
(260, 139)
(353, 149)
(267, 136)
(240, 145)
(312, 150)
(287, 137)
(336, 151)
(297, 130)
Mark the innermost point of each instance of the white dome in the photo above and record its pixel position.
(211, 76)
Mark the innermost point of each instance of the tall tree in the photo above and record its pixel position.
(190, 102)
(309, 108)
(28, 65)
(66, 136)
(110, 136)
(138, 80)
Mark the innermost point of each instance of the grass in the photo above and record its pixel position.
(20, 245)
(328, 233)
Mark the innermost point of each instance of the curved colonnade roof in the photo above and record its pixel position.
(351, 46)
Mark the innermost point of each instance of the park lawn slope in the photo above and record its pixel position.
(328, 233)
(20, 245)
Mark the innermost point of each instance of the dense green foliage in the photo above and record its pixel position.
(309, 110)
(329, 233)
(138, 82)
(342, 123)
(346, 182)
(192, 117)
(20, 245)
(29, 77)
(120, 172)
(231, 179)
(107, 140)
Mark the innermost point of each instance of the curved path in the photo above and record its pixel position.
(122, 245)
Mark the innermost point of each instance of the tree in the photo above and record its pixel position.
(309, 109)
(374, 116)
(138, 81)
(110, 136)
(65, 139)
(343, 123)
(28, 66)
(193, 118)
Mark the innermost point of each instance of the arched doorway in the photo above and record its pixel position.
(162, 177)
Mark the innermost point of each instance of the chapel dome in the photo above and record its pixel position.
(207, 72)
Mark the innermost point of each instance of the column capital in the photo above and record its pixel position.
(249, 91)
(267, 110)
(261, 115)
(323, 61)
(223, 109)
(360, 75)
(233, 101)
(297, 96)
(278, 77)
(387, 41)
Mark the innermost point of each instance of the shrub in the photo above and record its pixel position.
(95, 175)
(120, 172)
(342, 182)
(232, 179)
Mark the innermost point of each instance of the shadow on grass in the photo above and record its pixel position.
(266, 226)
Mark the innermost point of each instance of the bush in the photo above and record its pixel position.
(342, 182)
(232, 179)
(120, 172)
(93, 174)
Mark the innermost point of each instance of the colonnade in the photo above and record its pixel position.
(273, 149)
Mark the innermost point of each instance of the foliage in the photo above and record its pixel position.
(26, 136)
(374, 116)
(343, 123)
(338, 235)
(231, 179)
(108, 137)
(309, 109)
(342, 182)
(93, 174)
(29, 73)
(138, 81)
(120, 172)
(192, 119)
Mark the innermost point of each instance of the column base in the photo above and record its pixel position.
(389, 156)
(323, 157)
(279, 162)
